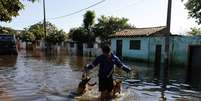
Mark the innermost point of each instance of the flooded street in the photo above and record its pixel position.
(35, 76)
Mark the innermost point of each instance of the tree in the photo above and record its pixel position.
(78, 34)
(56, 36)
(37, 30)
(89, 19)
(10, 9)
(109, 25)
(195, 31)
(27, 36)
(194, 7)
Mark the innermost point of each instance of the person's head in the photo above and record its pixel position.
(105, 49)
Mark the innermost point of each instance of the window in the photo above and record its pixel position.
(135, 44)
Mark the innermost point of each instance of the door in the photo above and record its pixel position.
(119, 48)
(194, 66)
(157, 63)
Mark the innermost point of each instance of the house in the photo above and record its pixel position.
(148, 45)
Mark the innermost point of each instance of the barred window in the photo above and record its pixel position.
(135, 44)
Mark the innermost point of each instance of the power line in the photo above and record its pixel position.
(59, 17)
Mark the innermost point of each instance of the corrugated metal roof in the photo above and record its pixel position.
(155, 31)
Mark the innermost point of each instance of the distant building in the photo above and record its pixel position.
(148, 45)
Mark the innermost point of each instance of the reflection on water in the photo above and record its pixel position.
(39, 76)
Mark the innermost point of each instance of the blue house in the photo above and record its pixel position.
(148, 45)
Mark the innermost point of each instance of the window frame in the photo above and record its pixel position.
(135, 45)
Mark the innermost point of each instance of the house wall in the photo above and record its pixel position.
(141, 55)
(178, 48)
(153, 42)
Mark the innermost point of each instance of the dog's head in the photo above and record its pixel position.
(85, 78)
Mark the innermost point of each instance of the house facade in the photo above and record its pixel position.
(148, 45)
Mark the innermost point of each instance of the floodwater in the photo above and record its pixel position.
(36, 76)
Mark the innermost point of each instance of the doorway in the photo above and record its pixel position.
(194, 66)
(119, 48)
(157, 62)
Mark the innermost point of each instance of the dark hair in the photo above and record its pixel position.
(105, 48)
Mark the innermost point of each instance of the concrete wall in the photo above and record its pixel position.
(178, 48)
(95, 51)
(141, 54)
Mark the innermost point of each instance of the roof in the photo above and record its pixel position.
(135, 32)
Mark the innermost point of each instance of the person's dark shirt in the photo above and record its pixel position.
(106, 64)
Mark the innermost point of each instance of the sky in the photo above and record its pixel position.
(141, 13)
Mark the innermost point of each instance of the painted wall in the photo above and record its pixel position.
(178, 48)
(141, 54)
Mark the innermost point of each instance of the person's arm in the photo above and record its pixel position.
(120, 64)
(93, 64)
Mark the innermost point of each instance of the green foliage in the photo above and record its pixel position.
(7, 30)
(109, 25)
(103, 29)
(194, 7)
(195, 31)
(56, 36)
(78, 34)
(37, 30)
(88, 21)
(27, 36)
(10, 8)
(89, 18)
(53, 34)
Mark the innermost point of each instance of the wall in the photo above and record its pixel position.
(95, 51)
(140, 55)
(178, 48)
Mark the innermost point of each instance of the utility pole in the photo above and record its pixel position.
(167, 41)
(169, 16)
(44, 22)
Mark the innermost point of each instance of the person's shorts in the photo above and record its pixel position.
(106, 84)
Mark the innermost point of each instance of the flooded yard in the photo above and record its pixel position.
(36, 76)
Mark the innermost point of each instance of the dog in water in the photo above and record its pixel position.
(83, 85)
(116, 87)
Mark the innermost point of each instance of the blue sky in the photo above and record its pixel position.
(141, 13)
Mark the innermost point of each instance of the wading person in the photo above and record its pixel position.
(106, 62)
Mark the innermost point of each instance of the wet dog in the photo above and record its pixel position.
(83, 85)
(116, 87)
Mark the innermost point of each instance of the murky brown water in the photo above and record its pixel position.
(35, 76)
